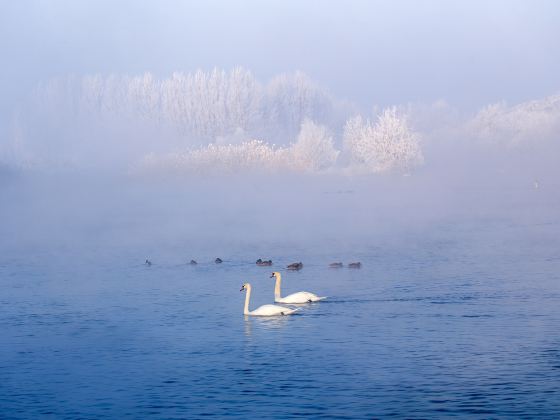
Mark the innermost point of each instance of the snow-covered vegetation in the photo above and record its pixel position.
(313, 152)
(200, 106)
(249, 155)
(531, 121)
(387, 144)
(209, 122)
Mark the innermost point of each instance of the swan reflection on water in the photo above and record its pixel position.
(264, 323)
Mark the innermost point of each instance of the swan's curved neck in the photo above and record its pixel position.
(247, 298)
(277, 286)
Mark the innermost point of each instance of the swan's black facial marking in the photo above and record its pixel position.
(282, 313)
(309, 300)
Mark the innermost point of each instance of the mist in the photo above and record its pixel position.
(214, 127)
(404, 154)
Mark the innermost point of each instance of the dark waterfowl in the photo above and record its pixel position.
(265, 263)
(355, 265)
(148, 262)
(193, 262)
(218, 261)
(336, 265)
(295, 266)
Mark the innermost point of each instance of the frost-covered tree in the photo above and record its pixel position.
(314, 149)
(185, 111)
(144, 97)
(313, 152)
(210, 105)
(249, 155)
(514, 125)
(243, 98)
(291, 98)
(386, 145)
(91, 94)
(201, 106)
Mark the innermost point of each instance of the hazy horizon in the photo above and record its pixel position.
(419, 140)
(467, 54)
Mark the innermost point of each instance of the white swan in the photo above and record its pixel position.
(265, 310)
(299, 297)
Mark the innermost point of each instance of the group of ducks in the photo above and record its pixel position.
(267, 263)
(217, 261)
(350, 265)
(275, 310)
(293, 299)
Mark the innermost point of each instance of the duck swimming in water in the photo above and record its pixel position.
(193, 262)
(148, 262)
(355, 265)
(218, 261)
(295, 266)
(336, 265)
(264, 263)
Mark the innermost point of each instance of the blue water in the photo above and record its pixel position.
(456, 319)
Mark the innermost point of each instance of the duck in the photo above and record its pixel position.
(264, 263)
(148, 262)
(295, 266)
(355, 265)
(336, 265)
(294, 298)
(264, 310)
(193, 262)
(218, 261)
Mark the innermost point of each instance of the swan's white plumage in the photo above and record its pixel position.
(294, 298)
(264, 310)
(300, 297)
(272, 310)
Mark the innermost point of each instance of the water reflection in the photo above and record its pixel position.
(264, 322)
(171, 343)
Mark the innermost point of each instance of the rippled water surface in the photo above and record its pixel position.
(461, 319)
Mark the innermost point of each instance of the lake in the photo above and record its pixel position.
(457, 317)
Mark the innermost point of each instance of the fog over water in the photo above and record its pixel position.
(421, 139)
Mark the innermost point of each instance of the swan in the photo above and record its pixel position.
(299, 297)
(264, 310)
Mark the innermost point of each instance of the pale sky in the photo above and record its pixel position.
(468, 53)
